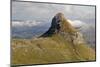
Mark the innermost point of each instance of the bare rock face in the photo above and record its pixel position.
(55, 25)
(61, 26)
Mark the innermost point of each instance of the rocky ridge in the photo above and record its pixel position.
(61, 26)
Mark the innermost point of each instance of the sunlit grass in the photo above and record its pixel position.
(49, 50)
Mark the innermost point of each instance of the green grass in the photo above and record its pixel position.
(53, 49)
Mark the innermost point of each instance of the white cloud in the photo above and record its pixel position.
(77, 23)
(25, 23)
(83, 26)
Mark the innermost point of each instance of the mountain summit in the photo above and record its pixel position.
(59, 24)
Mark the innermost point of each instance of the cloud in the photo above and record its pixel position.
(83, 26)
(25, 23)
(77, 23)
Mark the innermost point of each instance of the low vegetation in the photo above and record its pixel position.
(49, 50)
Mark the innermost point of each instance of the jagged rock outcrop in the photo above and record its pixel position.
(60, 25)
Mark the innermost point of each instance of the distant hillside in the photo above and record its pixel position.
(61, 43)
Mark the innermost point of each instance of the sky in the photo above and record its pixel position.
(43, 12)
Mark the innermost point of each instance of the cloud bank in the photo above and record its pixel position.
(25, 23)
(75, 23)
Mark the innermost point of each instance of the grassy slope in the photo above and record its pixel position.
(49, 50)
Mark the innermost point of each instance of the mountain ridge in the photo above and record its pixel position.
(59, 24)
(62, 26)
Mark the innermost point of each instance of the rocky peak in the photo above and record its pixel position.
(59, 24)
